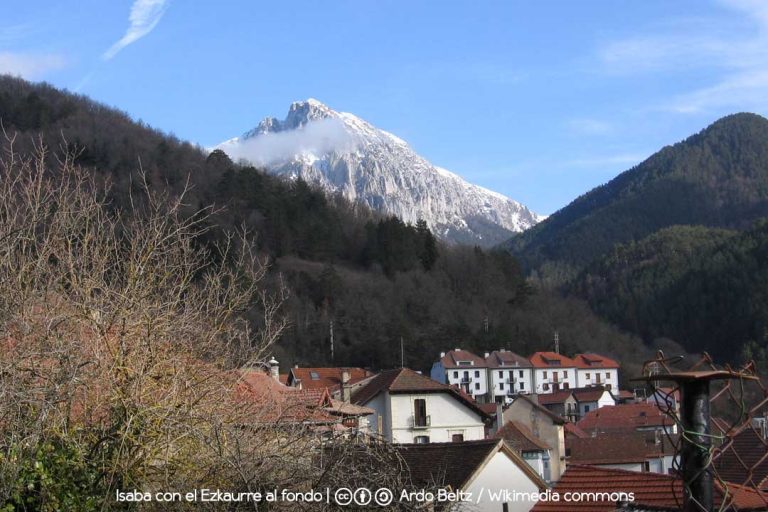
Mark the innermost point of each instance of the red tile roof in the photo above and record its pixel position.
(551, 360)
(744, 459)
(587, 361)
(506, 359)
(573, 430)
(651, 490)
(318, 378)
(607, 449)
(407, 381)
(452, 358)
(520, 438)
(265, 399)
(556, 397)
(626, 417)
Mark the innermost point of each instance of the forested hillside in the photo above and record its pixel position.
(705, 288)
(376, 279)
(717, 178)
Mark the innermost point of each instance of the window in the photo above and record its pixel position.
(501, 386)
(477, 374)
(566, 385)
(466, 375)
(457, 438)
(521, 374)
(545, 386)
(477, 386)
(501, 375)
(646, 466)
(554, 375)
(314, 375)
(455, 375)
(464, 363)
(421, 439)
(588, 377)
(607, 375)
(608, 387)
(522, 385)
(586, 409)
(545, 374)
(420, 412)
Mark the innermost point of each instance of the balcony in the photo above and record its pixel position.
(465, 380)
(420, 422)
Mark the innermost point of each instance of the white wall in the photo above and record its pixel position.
(546, 375)
(522, 377)
(500, 473)
(448, 416)
(588, 377)
(478, 379)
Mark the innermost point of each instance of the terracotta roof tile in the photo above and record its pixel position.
(594, 361)
(319, 378)
(608, 449)
(626, 417)
(506, 359)
(558, 420)
(452, 358)
(445, 464)
(744, 459)
(651, 491)
(551, 360)
(556, 397)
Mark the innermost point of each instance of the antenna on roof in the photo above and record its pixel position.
(402, 354)
(331, 329)
(557, 342)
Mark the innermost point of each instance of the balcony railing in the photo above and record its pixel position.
(421, 422)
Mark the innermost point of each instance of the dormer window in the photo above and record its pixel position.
(314, 375)
(464, 363)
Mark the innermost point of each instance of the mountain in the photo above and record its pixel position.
(705, 288)
(716, 178)
(345, 154)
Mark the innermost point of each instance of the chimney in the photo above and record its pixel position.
(274, 369)
(502, 350)
(456, 349)
(346, 390)
(499, 417)
(442, 355)
(487, 355)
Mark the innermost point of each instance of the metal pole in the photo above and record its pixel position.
(697, 475)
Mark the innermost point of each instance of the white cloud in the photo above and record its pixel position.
(30, 65)
(588, 126)
(733, 49)
(312, 140)
(621, 159)
(145, 14)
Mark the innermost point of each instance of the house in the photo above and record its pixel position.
(636, 451)
(562, 403)
(596, 370)
(533, 450)
(591, 398)
(508, 375)
(463, 369)
(332, 379)
(627, 418)
(553, 372)
(545, 426)
(610, 490)
(480, 468)
(412, 408)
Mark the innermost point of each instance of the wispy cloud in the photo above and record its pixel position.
(145, 14)
(733, 49)
(30, 65)
(589, 126)
(311, 141)
(621, 159)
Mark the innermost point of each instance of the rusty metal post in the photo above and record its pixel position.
(696, 445)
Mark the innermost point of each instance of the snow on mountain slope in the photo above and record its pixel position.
(342, 153)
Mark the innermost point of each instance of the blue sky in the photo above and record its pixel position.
(539, 100)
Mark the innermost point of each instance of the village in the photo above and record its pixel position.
(504, 432)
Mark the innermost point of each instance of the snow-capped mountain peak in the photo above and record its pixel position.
(342, 153)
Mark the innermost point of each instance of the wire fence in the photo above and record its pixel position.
(720, 414)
